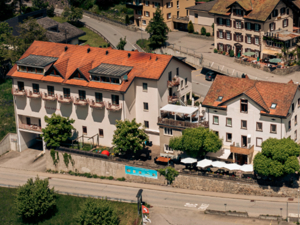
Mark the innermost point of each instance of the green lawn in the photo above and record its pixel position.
(90, 38)
(7, 115)
(67, 208)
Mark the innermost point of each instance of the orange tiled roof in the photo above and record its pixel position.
(145, 65)
(264, 93)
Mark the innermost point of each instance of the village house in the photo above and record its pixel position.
(245, 112)
(95, 87)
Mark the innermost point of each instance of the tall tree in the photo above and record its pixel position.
(277, 158)
(40, 4)
(72, 14)
(158, 30)
(196, 142)
(7, 8)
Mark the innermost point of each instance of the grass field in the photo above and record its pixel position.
(7, 116)
(90, 38)
(67, 208)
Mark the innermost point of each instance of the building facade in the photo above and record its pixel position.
(263, 27)
(95, 87)
(245, 112)
(171, 10)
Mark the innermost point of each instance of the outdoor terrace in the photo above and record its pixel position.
(33, 94)
(47, 97)
(81, 102)
(173, 99)
(65, 99)
(17, 92)
(241, 150)
(173, 82)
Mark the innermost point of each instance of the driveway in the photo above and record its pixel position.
(23, 160)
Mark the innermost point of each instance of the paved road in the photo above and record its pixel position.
(200, 85)
(154, 197)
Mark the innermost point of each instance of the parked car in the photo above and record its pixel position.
(210, 75)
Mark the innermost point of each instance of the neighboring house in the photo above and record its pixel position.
(174, 12)
(263, 27)
(245, 112)
(95, 87)
(60, 32)
(200, 16)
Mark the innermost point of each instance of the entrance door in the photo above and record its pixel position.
(244, 141)
(28, 121)
(170, 92)
(40, 125)
(238, 49)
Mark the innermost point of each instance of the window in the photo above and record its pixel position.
(228, 122)
(185, 81)
(228, 137)
(273, 128)
(35, 88)
(115, 99)
(144, 22)
(275, 13)
(95, 78)
(220, 34)
(244, 105)
(196, 15)
(147, 14)
(146, 124)
(39, 70)
(249, 41)
(177, 4)
(295, 133)
(259, 142)
(168, 149)
(216, 120)
(169, 5)
(168, 131)
(285, 23)
(282, 11)
(66, 92)
(228, 35)
(272, 26)
(228, 22)
(220, 21)
(216, 132)
(84, 130)
(289, 125)
(22, 69)
(244, 124)
(146, 3)
(145, 87)
(221, 47)
(50, 90)
(139, 12)
(177, 71)
(248, 26)
(238, 24)
(219, 99)
(259, 126)
(101, 134)
(28, 122)
(287, 11)
(169, 15)
(170, 76)
(287, 44)
(146, 108)
(156, 4)
(239, 37)
(256, 27)
(81, 95)
(238, 12)
(98, 97)
(105, 79)
(273, 106)
(256, 39)
(21, 86)
(295, 120)
(293, 107)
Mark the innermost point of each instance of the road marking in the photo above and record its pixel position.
(203, 207)
(190, 205)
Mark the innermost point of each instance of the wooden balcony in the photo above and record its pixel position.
(173, 99)
(65, 99)
(113, 107)
(181, 123)
(17, 92)
(81, 102)
(97, 105)
(31, 94)
(30, 127)
(174, 82)
(47, 97)
(241, 150)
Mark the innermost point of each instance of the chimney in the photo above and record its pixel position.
(156, 58)
(129, 55)
(106, 52)
(66, 48)
(88, 50)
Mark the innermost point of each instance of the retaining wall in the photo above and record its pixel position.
(9, 143)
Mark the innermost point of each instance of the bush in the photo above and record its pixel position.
(97, 212)
(197, 103)
(121, 179)
(207, 34)
(224, 53)
(169, 173)
(203, 31)
(189, 102)
(35, 200)
(110, 178)
(196, 32)
(215, 50)
(50, 11)
(190, 27)
(231, 53)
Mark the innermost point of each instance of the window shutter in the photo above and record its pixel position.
(242, 38)
(242, 25)
(287, 22)
(218, 46)
(172, 4)
(274, 26)
(230, 36)
(282, 23)
(270, 26)
(225, 48)
(234, 37)
(230, 24)
(218, 34)
(234, 24)
(246, 37)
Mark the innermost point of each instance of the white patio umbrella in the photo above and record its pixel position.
(188, 160)
(247, 168)
(219, 164)
(204, 163)
(233, 166)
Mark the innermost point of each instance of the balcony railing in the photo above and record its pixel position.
(173, 82)
(241, 150)
(98, 105)
(34, 94)
(47, 97)
(81, 102)
(173, 99)
(65, 99)
(113, 107)
(180, 123)
(17, 92)
(30, 127)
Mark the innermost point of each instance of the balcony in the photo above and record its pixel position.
(47, 97)
(81, 102)
(97, 105)
(182, 19)
(134, 5)
(241, 150)
(33, 94)
(17, 92)
(113, 107)
(30, 127)
(173, 99)
(181, 123)
(65, 99)
(174, 82)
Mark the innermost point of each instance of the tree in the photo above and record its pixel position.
(40, 4)
(277, 158)
(127, 20)
(72, 14)
(5, 31)
(35, 200)
(50, 11)
(190, 27)
(196, 142)
(169, 173)
(129, 137)
(97, 212)
(57, 131)
(203, 31)
(7, 9)
(122, 44)
(158, 30)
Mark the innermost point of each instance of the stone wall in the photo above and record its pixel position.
(9, 143)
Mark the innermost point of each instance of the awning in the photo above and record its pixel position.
(204, 163)
(188, 160)
(221, 154)
(179, 109)
(270, 52)
(247, 168)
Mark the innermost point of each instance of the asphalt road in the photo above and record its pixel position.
(153, 197)
(200, 85)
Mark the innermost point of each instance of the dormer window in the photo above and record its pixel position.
(238, 12)
(273, 106)
(275, 13)
(22, 69)
(220, 98)
(244, 105)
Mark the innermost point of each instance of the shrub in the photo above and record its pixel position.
(231, 53)
(35, 200)
(215, 50)
(102, 177)
(196, 32)
(189, 102)
(207, 34)
(110, 178)
(190, 27)
(121, 179)
(203, 31)
(224, 53)
(197, 103)
(169, 173)
(127, 19)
